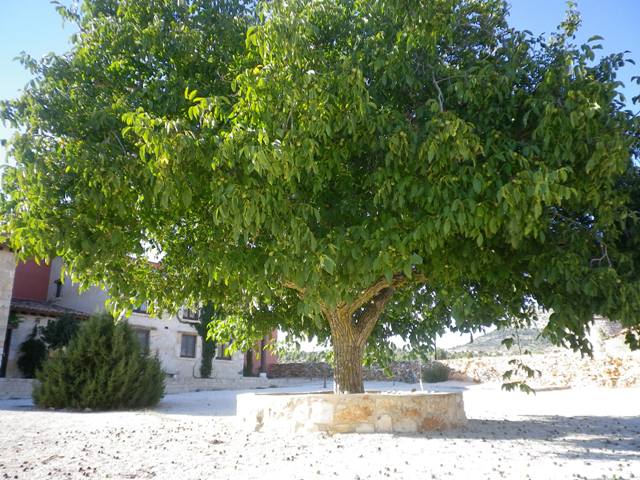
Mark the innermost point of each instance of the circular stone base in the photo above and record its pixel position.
(360, 413)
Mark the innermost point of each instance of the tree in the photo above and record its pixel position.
(206, 315)
(42, 340)
(33, 353)
(58, 333)
(350, 169)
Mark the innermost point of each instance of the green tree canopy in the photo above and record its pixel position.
(352, 168)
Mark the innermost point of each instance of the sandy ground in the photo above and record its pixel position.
(579, 433)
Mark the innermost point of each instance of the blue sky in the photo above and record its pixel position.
(34, 26)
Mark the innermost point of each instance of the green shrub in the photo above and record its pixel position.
(102, 368)
(434, 372)
(58, 333)
(32, 354)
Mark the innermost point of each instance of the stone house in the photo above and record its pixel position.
(32, 295)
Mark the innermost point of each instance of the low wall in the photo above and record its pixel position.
(300, 370)
(15, 388)
(356, 413)
(400, 371)
(185, 385)
(560, 370)
(22, 387)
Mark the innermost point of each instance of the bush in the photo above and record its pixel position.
(102, 368)
(58, 333)
(33, 353)
(434, 372)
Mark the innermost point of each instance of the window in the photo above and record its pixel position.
(142, 308)
(59, 284)
(188, 314)
(143, 338)
(221, 351)
(188, 346)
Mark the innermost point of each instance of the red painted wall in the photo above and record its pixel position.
(31, 281)
(269, 357)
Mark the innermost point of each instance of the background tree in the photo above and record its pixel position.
(32, 354)
(58, 333)
(205, 316)
(38, 346)
(350, 169)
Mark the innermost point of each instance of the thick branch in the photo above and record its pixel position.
(369, 317)
(295, 287)
(396, 282)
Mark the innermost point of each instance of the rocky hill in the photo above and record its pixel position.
(491, 343)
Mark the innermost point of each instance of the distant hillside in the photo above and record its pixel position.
(491, 343)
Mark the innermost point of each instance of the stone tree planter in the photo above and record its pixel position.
(359, 413)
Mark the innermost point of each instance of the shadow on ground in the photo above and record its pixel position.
(585, 437)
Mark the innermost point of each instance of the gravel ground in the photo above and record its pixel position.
(579, 433)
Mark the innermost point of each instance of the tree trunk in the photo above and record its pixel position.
(351, 325)
(348, 365)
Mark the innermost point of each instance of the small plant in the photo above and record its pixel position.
(33, 353)
(434, 372)
(521, 372)
(14, 320)
(102, 368)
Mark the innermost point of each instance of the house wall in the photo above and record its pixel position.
(89, 301)
(19, 334)
(31, 281)
(165, 334)
(7, 271)
(165, 338)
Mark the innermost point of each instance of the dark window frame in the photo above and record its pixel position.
(185, 349)
(147, 334)
(220, 352)
(188, 314)
(143, 308)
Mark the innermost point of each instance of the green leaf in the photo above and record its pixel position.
(186, 196)
(328, 265)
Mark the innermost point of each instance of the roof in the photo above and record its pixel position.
(34, 307)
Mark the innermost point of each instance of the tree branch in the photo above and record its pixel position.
(437, 87)
(398, 280)
(293, 286)
(369, 317)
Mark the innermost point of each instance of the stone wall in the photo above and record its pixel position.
(560, 370)
(300, 370)
(15, 388)
(358, 413)
(185, 385)
(400, 371)
(22, 387)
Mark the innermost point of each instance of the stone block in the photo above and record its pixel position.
(322, 412)
(365, 428)
(405, 425)
(384, 423)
